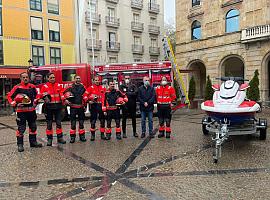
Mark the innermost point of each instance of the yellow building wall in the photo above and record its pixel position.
(17, 41)
(16, 52)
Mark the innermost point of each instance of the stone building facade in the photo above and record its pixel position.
(224, 37)
(122, 30)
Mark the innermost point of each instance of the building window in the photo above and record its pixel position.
(54, 31)
(232, 21)
(196, 3)
(36, 28)
(93, 7)
(113, 59)
(53, 6)
(196, 31)
(55, 55)
(35, 5)
(38, 55)
(1, 53)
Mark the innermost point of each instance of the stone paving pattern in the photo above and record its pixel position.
(135, 168)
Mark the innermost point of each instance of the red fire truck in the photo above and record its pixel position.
(136, 71)
(64, 73)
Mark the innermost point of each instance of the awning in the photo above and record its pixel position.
(11, 72)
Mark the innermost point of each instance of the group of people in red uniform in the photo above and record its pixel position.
(105, 105)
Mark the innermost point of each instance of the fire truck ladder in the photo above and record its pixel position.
(169, 55)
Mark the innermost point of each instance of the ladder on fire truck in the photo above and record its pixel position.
(169, 55)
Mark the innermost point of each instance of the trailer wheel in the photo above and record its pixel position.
(204, 121)
(204, 130)
(263, 134)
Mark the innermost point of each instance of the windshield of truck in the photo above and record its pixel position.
(39, 76)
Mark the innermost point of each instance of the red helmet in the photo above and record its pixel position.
(93, 97)
(68, 95)
(120, 101)
(22, 98)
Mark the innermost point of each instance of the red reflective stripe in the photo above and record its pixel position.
(32, 132)
(92, 129)
(162, 128)
(168, 129)
(81, 131)
(18, 134)
(59, 131)
(49, 132)
(108, 130)
(102, 130)
(72, 132)
(118, 130)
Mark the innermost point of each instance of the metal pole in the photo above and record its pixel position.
(79, 31)
(92, 40)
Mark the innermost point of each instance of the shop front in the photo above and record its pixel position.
(9, 77)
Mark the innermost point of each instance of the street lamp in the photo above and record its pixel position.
(30, 63)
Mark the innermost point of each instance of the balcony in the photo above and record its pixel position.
(256, 33)
(137, 4)
(113, 46)
(96, 18)
(112, 1)
(154, 51)
(137, 48)
(97, 44)
(153, 8)
(153, 29)
(137, 26)
(112, 21)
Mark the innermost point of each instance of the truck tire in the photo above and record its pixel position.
(263, 134)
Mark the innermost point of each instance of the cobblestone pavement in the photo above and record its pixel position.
(134, 168)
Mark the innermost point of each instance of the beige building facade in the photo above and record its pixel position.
(122, 31)
(224, 38)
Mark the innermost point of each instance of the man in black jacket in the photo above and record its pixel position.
(77, 105)
(129, 109)
(147, 97)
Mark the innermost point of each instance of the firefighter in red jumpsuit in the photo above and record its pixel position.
(74, 97)
(23, 98)
(95, 95)
(52, 92)
(111, 107)
(165, 96)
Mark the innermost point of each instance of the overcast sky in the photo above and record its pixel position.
(169, 11)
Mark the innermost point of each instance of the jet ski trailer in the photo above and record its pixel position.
(230, 113)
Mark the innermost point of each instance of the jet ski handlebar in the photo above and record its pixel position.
(232, 79)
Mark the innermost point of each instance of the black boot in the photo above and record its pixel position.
(102, 136)
(33, 141)
(49, 140)
(168, 134)
(135, 134)
(82, 138)
(60, 139)
(72, 138)
(161, 134)
(118, 136)
(93, 136)
(124, 135)
(20, 144)
(108, 136)
(143, 135)
(151, 135)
